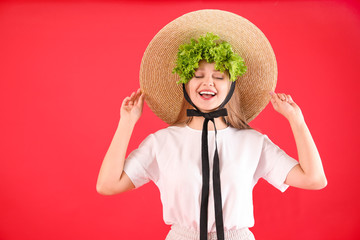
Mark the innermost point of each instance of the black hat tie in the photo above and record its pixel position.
(210, 116)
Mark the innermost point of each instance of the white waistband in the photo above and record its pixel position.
(181, 233)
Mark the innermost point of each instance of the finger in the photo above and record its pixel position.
(141, 100)
(290, 99)
(137, 96)
(281, 96)
(284, 97)
(273, 95)
(274, 98)
(277, 98)
(125, 101)
(132, 95)
(273, 102)
(287, 99)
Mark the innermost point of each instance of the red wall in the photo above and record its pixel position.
(66, 66)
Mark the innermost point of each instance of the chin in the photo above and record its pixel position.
(207, 107)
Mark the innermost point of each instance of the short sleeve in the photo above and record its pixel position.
(274, 164)
(141, 165)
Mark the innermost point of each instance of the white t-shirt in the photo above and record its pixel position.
(171, 158)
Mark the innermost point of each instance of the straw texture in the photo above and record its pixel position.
(165, 97)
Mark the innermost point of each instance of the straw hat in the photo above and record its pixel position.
(165, 97)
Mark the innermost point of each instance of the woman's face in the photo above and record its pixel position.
(209, 87)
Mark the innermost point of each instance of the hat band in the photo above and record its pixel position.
(205, 167)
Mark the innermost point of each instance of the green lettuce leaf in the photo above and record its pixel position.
(208, 48)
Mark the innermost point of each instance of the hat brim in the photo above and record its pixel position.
(164, 96)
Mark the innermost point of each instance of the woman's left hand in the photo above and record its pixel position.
(286, 106)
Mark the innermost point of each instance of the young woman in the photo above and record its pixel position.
(206, 142)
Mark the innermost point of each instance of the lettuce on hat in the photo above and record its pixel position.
(208, 48)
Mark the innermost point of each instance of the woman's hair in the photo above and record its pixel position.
(234, 119)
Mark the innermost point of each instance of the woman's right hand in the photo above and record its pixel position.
(112, 179)
(131, 107)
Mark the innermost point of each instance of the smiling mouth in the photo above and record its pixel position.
(207, 94)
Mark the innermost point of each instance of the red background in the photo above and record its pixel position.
(66, 66)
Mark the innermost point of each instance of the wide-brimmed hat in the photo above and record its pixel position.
(164, 96)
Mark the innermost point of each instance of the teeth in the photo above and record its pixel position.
(209, 93)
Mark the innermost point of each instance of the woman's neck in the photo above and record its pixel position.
(197, 123)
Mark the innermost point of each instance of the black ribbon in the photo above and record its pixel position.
(210, 116)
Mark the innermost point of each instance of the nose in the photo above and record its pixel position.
(208, 81)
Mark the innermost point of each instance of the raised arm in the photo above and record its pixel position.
(309, 174)
(112, 179)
